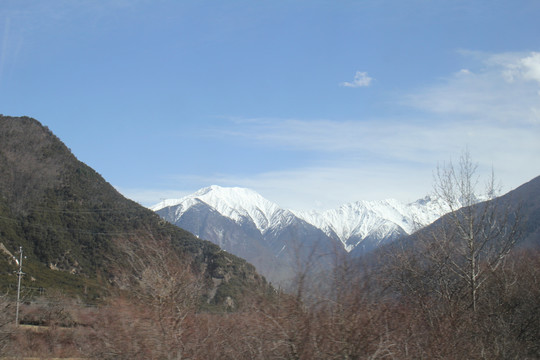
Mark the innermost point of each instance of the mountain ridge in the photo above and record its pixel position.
(362, 219)
(235, 203)
(276, 240)
(358, 219)
(244, 223)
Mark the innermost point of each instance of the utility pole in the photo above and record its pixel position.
(20, 274)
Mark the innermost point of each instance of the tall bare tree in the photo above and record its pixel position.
(478, 232)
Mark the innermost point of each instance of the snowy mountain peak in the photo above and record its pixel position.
(373, 218)
(350, 223)
(235, 203)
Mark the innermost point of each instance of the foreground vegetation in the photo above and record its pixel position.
(362, 315)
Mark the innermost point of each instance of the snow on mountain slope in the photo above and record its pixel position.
(351, 223)
(378, 219)
(235, 203)
(244, 223)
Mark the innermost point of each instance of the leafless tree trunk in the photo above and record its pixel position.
(454, 275)
(475, 237)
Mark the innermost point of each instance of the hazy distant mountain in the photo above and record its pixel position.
(274, 239)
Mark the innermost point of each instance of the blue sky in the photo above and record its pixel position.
(310, 103)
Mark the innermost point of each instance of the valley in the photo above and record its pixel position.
(105, 278)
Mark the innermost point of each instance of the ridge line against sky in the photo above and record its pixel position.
(310, 103)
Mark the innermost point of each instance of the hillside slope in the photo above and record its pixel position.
(70, 222)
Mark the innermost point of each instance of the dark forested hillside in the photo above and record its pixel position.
(73, 225)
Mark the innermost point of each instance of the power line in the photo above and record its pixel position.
(69, 230)
(86, 211)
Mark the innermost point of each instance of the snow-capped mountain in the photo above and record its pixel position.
(237, 204)
(373, 222)
(244, 223)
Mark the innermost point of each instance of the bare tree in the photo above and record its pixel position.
(162, 293)
(452, 278)
(474, 238)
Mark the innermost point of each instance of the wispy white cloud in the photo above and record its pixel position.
(496, 116)
(402, 139)
(375, 159)
(361, 79)
(320, 187)
(505, 88)
(518, 68)
(491, 108)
